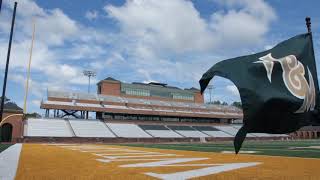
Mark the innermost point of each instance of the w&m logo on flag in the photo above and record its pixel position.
(293, 76)
(278, 87)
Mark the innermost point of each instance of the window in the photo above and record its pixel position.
(135, 92)
(182, 96)
(99, 89)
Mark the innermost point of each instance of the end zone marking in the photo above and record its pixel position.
(164, 162)
(167, 161)
(202, 172)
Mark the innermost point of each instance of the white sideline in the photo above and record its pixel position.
(9, 160)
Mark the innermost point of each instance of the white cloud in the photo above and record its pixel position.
(245, 22)
(35, 88)
(91, 15)
(164, 41)
(174, 25)
(178, 26)
(58, 39)
(158, 36)
(36, 102)
(56, 27)
(233, 89)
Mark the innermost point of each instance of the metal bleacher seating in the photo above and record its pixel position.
(90, 128)
(261, 134)
(211, 131)
(159, 131)
(237, 127)
(48, 128)
(217, 109)
(227, 129)
(187, 131)
(127, 130)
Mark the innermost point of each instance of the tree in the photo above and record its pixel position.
(33, 115)
(5, 99)
(217, 102)
(237, 104)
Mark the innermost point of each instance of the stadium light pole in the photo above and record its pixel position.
(210, 87)
(89, 74)
(7, 62)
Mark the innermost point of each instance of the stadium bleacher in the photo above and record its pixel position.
(48, 128)
(159, 131)
(237, 127)
(90, 128)
(128, 130)
(227, 129)
(172, 110)
(211, 131)
(109, 98)
(187, 131)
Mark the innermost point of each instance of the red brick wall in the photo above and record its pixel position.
(110, 88)
(15, 120)
(198, 98)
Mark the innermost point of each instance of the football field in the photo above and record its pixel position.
(258, 160)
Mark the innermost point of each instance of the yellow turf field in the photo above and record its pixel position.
(85, 161)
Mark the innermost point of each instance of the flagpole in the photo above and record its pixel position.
(308, 24)
(0, 5)
(7, 63)
(28, 71)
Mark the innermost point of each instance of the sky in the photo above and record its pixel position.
(168, 41)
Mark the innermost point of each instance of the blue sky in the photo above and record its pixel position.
(170, 41)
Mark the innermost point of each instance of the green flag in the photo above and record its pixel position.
(278, 87)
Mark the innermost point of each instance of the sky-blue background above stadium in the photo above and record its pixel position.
(173, 42)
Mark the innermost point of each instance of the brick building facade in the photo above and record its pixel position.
(152, 90)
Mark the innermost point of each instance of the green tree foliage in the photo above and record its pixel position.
(237, 104)
(33, 115)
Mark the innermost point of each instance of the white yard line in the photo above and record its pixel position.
(9, 160)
